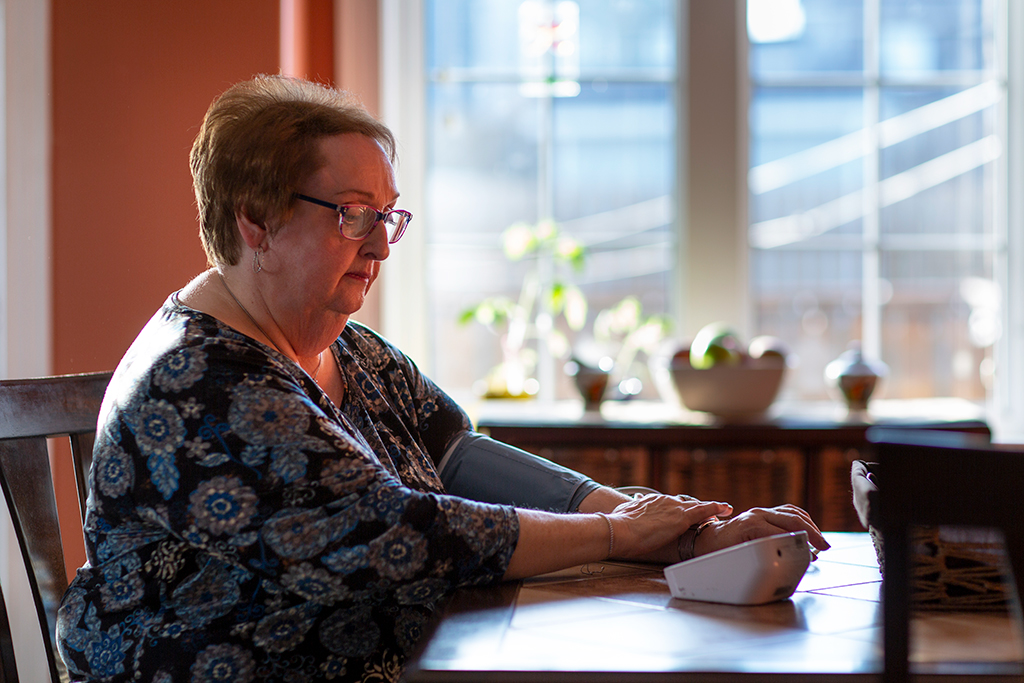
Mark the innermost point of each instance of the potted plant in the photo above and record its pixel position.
(546, 294)
(621, 336)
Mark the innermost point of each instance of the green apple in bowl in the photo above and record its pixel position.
(715, 344)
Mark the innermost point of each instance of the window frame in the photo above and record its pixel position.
(1006, 406)
(711, 278)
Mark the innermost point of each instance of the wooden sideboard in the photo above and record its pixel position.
(797, 453)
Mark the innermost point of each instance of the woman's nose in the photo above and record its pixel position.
(375, 245)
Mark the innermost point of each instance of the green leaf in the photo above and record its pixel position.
(555, 298)
(570, 251)
(575, 308)
(518, 240)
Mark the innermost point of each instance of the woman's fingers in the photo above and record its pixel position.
(651, 522)
(792, 518)
(759, 522)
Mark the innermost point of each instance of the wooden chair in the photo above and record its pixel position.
(30, 411)
(939, 478)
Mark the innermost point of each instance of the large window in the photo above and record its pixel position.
(541, 111)
(880, 142)
(876, 153)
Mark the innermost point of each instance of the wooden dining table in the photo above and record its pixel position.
(617, 621)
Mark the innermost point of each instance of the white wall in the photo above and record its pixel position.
(25, 296)
(25, 329)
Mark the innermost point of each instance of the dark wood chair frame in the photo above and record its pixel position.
(32, 410)
(940, 478)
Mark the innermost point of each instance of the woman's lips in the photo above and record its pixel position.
(364, 276)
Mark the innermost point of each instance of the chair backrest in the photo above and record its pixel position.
(939, 478)
(32, 410)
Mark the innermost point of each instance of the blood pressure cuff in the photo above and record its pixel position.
(479, 468)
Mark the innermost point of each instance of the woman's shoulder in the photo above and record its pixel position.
(369, 345)
(179, 344)
(177, 326)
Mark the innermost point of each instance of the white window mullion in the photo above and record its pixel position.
(403, 105)
(1008, 408)
(871, 331)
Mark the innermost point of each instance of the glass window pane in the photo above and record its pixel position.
(937, 162)
(921, 36)
(482, 166)
(804, 36)
(806, 164)
(614, 179)
(811, 299)
(613, 148)
(472, 34)
(580, 130)
(618, 36)
(961, 206)
(886, 225)
(481, 178)
(922, 124)
(940, 323)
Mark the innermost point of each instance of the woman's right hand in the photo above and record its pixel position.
(648, 527)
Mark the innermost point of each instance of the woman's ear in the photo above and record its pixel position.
(253, 234)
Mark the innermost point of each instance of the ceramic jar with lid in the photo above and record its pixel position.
(854, 376)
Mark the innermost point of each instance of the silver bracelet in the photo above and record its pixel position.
(689, 539)
(611, 533)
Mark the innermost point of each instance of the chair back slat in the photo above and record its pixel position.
(8, 663)
(51, 406)
(81, 451)
(28, 488)
(31, 411)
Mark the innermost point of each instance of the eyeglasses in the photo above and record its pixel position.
(357, 220)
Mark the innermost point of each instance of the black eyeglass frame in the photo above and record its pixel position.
(381, 216)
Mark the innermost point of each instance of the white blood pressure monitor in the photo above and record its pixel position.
(752, 573)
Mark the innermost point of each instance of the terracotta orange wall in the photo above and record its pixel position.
(307, 39)
(131, 82)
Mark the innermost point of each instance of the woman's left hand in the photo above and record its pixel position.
(757, 523)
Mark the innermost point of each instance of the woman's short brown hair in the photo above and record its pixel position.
(258, 142)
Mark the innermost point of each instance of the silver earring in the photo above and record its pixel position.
(256, 265)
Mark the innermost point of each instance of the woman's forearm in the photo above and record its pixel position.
(550, 541)
(604, 499)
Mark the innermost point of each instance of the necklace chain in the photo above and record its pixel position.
(319, 356)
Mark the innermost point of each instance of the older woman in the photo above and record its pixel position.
(277, 492)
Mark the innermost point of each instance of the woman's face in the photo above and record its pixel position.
(318, 276)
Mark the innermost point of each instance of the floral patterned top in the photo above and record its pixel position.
(241, 527)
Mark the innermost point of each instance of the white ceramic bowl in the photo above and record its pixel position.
(730, 391)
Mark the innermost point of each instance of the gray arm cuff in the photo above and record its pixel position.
(479, 468)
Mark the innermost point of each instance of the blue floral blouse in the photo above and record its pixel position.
(241, 527)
